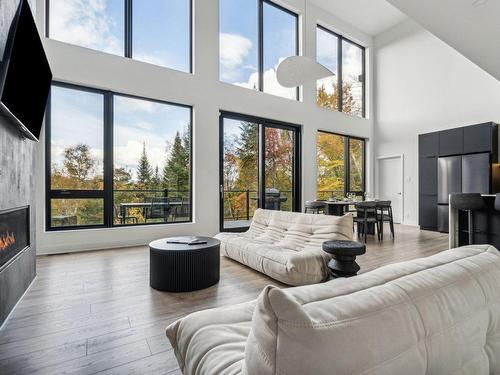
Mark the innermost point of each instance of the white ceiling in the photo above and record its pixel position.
(472, 27)
(370, 16)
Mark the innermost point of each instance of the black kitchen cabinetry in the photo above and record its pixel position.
(454, 161)
(451, 142)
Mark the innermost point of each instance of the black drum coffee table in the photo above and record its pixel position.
(183, 267)
(344, 255)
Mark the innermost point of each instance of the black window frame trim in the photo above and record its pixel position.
(260, 42)
(347, 160)
(128, 34)
(262, 123)
(341, 38)
(107, 193)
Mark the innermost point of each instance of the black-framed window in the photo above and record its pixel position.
(346, 60)
(254, 37)
(341, 165)
(260, 167)
(154, 31)
(116, 160)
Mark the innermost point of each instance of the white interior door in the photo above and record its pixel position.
(390, 184)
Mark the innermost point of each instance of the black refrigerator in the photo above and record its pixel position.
(461, 174)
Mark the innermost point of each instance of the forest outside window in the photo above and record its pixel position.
(340, 166)
(254, 37)
(345, 90)
(153, 31)
(116, 160)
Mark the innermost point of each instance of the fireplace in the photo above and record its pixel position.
(14, 233)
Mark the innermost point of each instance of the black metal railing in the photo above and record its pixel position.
(234, 212)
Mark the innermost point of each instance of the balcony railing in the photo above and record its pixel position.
(241, 204)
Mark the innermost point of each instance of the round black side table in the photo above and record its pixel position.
(182, 267)
(344, 254)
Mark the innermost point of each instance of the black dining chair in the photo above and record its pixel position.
(385, 216)
(367, 213)
(123, 219)
(315, 207)
(159, 209)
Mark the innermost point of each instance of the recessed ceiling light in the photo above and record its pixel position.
(477, 3)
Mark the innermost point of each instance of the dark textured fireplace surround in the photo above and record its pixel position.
(17, 190)
(17, 187)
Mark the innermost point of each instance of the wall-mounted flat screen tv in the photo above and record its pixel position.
(25, 75)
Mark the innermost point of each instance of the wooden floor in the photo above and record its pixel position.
(94, 312)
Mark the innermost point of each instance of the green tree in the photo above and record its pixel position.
(144, 170)
(330, 164)
(122, 176)
(78, 162)
(247, 154)
(176, 169)
(156, 179)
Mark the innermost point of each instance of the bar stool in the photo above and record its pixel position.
(468, 202)
(315, 207)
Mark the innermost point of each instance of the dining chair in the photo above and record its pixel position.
(159, 209)
(367, 213)
(315, 207)
(123, 219)
(385, 216)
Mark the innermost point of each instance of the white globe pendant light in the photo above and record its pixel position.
(297, 70)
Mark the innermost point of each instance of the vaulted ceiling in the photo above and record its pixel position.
(472, 27)
(370, 16)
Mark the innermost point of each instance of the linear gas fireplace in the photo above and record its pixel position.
(14, 233)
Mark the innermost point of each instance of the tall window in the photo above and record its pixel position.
(154, 31)
(255, 36)
(340, 165)
(116, 160)
(346, 60)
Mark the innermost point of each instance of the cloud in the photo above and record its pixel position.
(271, 84)
(233, 50)
(85, 23)
(127, 105)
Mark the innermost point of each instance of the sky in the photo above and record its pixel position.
(239, 44)
(161, 30)
(77, 117)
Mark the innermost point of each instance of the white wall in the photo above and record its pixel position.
(423, 85)
(207, 95)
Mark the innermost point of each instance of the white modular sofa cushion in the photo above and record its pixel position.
(436, 315)
(287, 245)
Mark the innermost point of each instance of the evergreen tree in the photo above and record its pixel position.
(176, 170)
(156, 180)
(248, 155)
(144, 170)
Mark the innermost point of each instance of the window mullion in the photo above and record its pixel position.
(261, 45)
(128, 28)
(339, 78)
(347, 169)
(108, 159)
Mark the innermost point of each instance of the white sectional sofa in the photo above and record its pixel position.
(287, 245)
(436, 315)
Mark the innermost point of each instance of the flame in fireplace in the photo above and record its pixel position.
(7, 240)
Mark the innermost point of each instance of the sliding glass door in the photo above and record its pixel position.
(259, 167)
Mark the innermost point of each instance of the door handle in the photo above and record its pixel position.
(399, 194)
(221, 190)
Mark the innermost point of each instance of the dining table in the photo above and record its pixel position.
(124, 207)
(339, 208)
